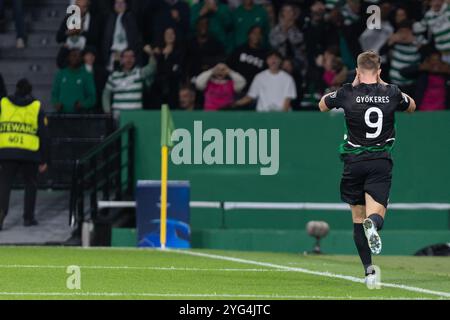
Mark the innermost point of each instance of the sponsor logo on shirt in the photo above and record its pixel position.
(248, 58)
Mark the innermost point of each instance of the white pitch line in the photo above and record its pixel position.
(192, 295)
(307, 271)
(19, 266)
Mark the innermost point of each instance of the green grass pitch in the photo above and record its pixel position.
(41, 273)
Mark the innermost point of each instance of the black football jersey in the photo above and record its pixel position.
(370, 118)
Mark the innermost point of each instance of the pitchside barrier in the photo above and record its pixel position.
(71, 136)
(281, 227)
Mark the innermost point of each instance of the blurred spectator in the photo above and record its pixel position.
(351, 12)
(346, 36)
(19, 20)
(169, 55)
(249, 59)
(73, 89)
(270, 14)
(98, 72)
(331, 4)
(286, 36)
(333, 71)
(187, 97)
(88, 35)
(376, 39)
(316, 32)
(203, 50)
(401, 14)
(433, 79)
(234, 4)
(220, 86)
(245, 17)
(121, 32)
(288, 66)
(437, 23)
(100, 8)
(273, 88)
(220, 20)
(124, 88)
(404, 53)
(170, 14)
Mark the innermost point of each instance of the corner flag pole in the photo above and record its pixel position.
(167, 127)
(164, 176)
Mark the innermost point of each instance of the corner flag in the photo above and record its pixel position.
(167, 127)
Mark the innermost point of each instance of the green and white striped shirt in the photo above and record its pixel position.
(349, 16)
(403, 55)
(331, 4)
(126, 88)
(438, 24)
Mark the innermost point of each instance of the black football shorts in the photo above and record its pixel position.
(370, 176)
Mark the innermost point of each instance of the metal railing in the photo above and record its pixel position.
(70, 137)
(105, 172)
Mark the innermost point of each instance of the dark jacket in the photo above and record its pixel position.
(413, 72)
(3, 92)
(93, 35)
(167, 79)
(43, 155)
(162, 19)
(203, 56)
(248, 62)
(134, 37)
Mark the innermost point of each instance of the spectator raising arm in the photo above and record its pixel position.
(149, 71)
(239, 81)
(203, 78)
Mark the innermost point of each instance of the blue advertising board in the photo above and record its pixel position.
(148, 214)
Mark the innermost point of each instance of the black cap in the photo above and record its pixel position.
(24, 87)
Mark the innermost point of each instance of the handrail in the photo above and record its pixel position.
(103, 163)
(107, 142)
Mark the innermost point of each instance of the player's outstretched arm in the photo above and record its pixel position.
(412, 104)
(322, 104)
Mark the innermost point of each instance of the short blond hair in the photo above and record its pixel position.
(369, 60)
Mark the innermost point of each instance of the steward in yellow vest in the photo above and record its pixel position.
(24, 147)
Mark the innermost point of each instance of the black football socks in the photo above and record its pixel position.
(377, 220)
(362, 245)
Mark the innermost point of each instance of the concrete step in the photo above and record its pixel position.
(35, 40)
(52, 214)
(34, 78)
(36, 25)
(29, 53)
(38, 10)
(25, 67)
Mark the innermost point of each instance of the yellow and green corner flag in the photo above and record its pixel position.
(167, 127)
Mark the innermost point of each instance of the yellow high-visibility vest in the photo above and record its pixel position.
(19, 125)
